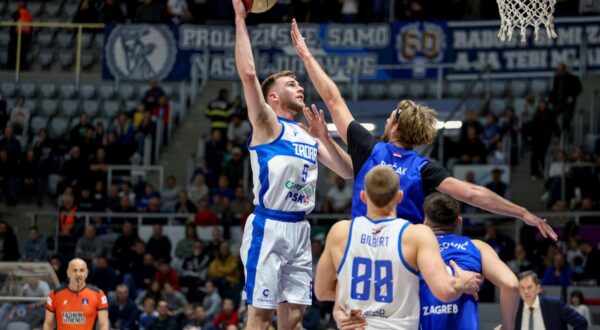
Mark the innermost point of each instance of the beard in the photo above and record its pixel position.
(294, 104)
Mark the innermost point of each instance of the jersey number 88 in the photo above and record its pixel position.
(383, 278)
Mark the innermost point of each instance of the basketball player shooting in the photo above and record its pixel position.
(408, 126)
(276, 243)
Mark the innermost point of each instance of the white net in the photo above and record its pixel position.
(523, 13)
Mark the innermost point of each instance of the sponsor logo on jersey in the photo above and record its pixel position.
(305, 188)
(305, 151)
(378, 313)
(397, 168)
(297, 197)
(441, 309)
(453, 245)
(375, 230)
(73, 318)
(265, 293)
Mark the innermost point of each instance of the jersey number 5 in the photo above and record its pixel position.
(305, 172)
(362, 273)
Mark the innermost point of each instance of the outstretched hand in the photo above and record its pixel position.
(240, 8)
(544, 228)
(298, 41)
(470, 281)
(316, 120)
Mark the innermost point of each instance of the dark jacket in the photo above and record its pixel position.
(564, 87)
(556, 315)
(123, 318)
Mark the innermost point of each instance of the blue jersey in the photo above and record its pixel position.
(461, 313)
(408, 165)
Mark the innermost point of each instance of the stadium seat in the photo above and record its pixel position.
(498, 88)
(539, 87)
(45, 58)
(12, 7)
(87, 60)
(64, 39)
(431, 89)
(397, 91)
(107, 91)
(58, 127)
(69, 10)
(17, 325)
(4, 38)
(66, 58)
(52, 8)
(48, 90)
(27, 89)
(143, 88)
(37, 123)
(99, 42)
(74, 121)
(69, 108)
(87, 91)
(67, 91)
(416, 90)
(110, 109)
(131, 105)
(87, 40)
(104, 122)
(168, 91)
(455, 89)
(478, 89)
(35, 7)
(9, 89)
(3, 58)
(376, 91)
(518, 88)
(48, 107)
(519, 105)
(10, 104)
(497, 106)
(45, 37)
(126, 91)
(91, 107)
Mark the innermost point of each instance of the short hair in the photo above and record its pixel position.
(441, 209)
(415, 123)
(529, 273)
(578, 294)
(381, 185)
(33, 228)
(270, 81)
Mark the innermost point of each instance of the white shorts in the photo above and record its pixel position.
(277, 258)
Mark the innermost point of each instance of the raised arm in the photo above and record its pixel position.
(428, 261)
(503, 278)
(488, 200)
(260, 114)
(323, 84)
(330, 153)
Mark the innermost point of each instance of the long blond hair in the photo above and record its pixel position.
(415, 123)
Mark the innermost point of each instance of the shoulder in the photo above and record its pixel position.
(93, 288)
(550, 301)
(338, 231)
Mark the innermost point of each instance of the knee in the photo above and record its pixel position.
(259, 318)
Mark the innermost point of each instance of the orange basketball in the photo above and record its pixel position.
(259, 6)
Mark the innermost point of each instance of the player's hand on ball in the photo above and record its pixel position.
(298, 41)
(544, 228)
(240, 8)
(470, 282)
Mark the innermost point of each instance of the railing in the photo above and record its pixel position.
(79, 26)
(136, 171)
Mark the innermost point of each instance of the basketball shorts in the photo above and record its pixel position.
(277, 258)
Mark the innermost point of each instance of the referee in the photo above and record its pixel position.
(76, 306)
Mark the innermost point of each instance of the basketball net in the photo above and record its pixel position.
(522, 13)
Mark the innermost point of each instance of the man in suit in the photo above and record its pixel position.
(537, 312)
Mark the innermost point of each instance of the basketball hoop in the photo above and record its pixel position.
(522, 13)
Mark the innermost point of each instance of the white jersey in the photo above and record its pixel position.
(284, 171)
(374, 277)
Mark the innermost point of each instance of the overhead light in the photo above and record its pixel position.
(450, 124)
(368, 126)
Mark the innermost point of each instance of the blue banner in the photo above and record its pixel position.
(378, 51)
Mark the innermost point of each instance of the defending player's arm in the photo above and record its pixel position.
(49, 320)
(502, 277)
(103, 319)
(429, 262)
(323, 84)
(330, 153)
(325, 278)
(488, 200)
(261, 117)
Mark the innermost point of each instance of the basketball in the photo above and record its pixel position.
(259, 6)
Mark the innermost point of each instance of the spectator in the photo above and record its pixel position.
(152, 94)
(66, 218)
(99, 134)
(8, 178)
(238, 130)
(171, 194)
(128, 192)
(99, 198)
(520, 263)
(471, 121)
(143, 200)
(542, 128)
(99, 166)
(535, 308)
(158, 245)
(563, 96)
(184, 205)
(86, 203)
(161, 111)
(149, 314)
(592, 264)
(201, 319)
(125, 133)
(203, 170)
(78, 131)
(179, 11)
(195, 269)
(576, 302)
(184, 247)
(73, 172)
(166, 274)
(138, 115)
(338, 199)
(43, 148)
(122, 249)
(511, 126)
(223, 270)
(22, 15)
(164, 321)
(223, 190)
(123, 312)
(473, 149)
(219, 112)
(141, 271)
(147, 12)
(152, 291)
(11, 145)
(228, 316)
(175, 299)
(234, 169)
(35, 288)
(205, 216)
(238, 203)
(502, 244)
(573, 249)
(103, 276)
(492, 133)
(212, 300)
(111, 13)
(214, 151)
(3, 113)
(497, 185)
(558, 273)
(87, 13)
(198, 190)
(19, 117)
(553, 185)
(58, 268)
(29, 169)
(35, 247)
(187, 317)
(89, 246)
(87, 144)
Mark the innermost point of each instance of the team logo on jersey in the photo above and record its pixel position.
(73, 318)
(103, 300)
(375, 230)
(85, 302)
(64, 302)
(140, 52)
(265, 293)
(397, 155)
